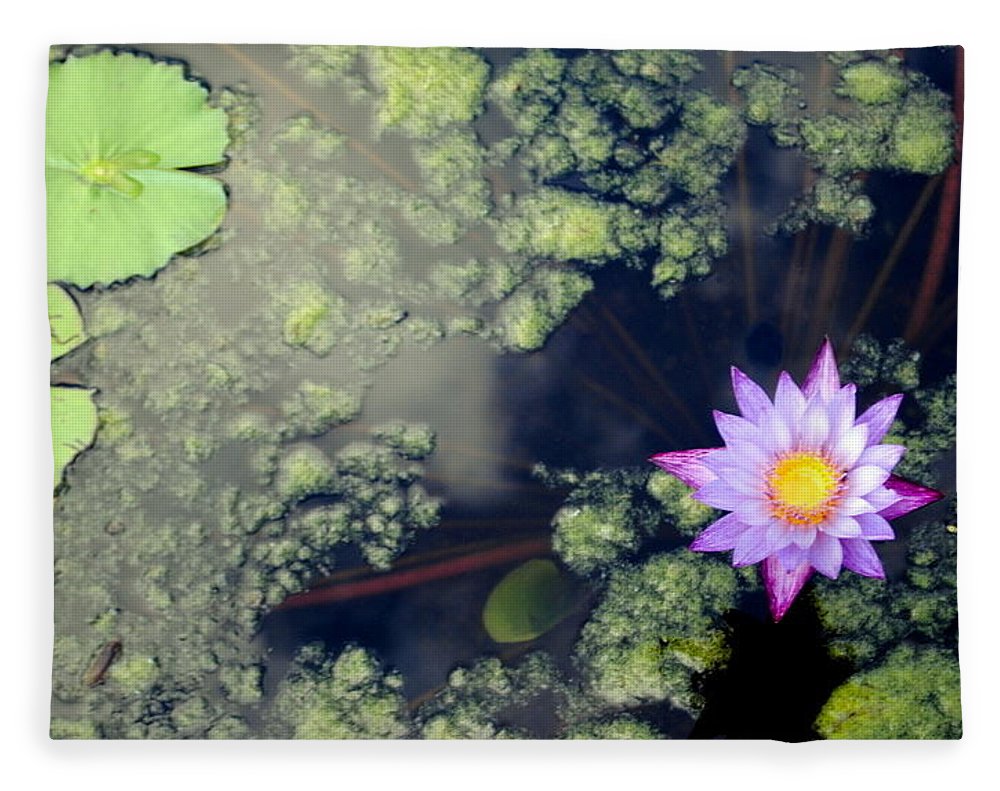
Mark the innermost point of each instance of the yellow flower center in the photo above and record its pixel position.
(804, 488)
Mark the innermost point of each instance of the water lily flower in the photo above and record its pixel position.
(808, 486)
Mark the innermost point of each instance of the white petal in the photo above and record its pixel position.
(851, 506)
(846, 448)
(875, 528)
(862, 480)
(886, 456)
(841, 411)
(840, 526)
(826, 555)
(882, 497)
(803, 536)
(719, 494)
(815, 426)
(776, 436)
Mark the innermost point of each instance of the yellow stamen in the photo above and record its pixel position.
(804, 488)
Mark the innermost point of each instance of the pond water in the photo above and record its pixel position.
(181, 532)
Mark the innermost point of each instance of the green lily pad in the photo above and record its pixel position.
(74, 424)
(65, 322)
(118, 130)
(528, 602)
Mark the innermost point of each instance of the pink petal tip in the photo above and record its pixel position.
(686, 465)
(783, 586)
(912, 496)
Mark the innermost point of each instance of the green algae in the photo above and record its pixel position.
(872, 82)
(624, 727)
(348, 697)
(312, 410)
(685, 514)
(658, 624)
(304, 472)
(603, 521)
(483, 700)
(425, 90)
(913, 694)
(566, 227)
(538, 307)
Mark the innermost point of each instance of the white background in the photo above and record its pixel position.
(31, 760)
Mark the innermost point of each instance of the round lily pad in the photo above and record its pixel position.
(65, 322)
(528, 602)
(74, 424)
(119, 130)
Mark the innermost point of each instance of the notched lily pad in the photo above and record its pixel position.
(528, 602)
(65, 322)
(74, 424)
(119, 131)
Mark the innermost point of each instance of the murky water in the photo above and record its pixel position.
(205, 343)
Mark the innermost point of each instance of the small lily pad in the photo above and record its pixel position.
(65, 322)
(119, 130)
(528, 602)
(74, 424)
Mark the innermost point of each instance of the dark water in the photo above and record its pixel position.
(627, 376)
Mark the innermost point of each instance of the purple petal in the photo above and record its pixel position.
(783, 585)
(758, 543)
(753, 511)
(911, 497)
(733, 428)
(879, 416)
(788, 400)
(719, 536)
(841, 410)
(804, 536)
(885, 456)
(882, 498)
(744, 481)
(860, 557)
(686, 465)
(752, 400)
(826, 555)
(874, 527)
(719, 494)
(792, 556)
(823, 378)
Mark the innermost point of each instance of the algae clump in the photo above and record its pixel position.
(349, 697)
(913, 694)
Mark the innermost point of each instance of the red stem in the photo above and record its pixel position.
(937, 256)
(396, 580)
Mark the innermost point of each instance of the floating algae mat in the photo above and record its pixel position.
(456, 393)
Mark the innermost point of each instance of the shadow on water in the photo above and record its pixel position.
(777, 680)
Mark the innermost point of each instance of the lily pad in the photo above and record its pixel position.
(119, 130)
(74, 424)
(65, 322)
(528, 602)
